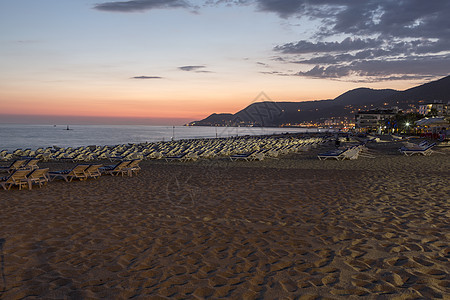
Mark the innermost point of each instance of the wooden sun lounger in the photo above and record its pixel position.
(117, 169)
(38, 176)
(241, 156)
(133, 167)
(18, 177)
(69, 175)
(176, 157)
(93, 171)
(30, 164)
(15, 165)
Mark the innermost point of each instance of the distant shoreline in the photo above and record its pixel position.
(15, 136)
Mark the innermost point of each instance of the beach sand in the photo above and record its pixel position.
(286, 228)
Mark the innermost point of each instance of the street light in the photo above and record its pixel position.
(407, 127)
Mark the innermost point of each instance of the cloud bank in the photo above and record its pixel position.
(383, 39)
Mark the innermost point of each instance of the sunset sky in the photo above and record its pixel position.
(173, 61)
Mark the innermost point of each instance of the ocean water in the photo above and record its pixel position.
(14, 136)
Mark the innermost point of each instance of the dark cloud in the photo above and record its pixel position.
(409, 18)
(227, 2)
(371, 70)
(192, 68)
(389, 39)
(141, 5)
(423, 58)
(283, 8)
(146, 77)
(389, 52)
(327, 72)
(347, 44)
(421, 66)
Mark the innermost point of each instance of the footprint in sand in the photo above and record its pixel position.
(363, 284)
(204, 292)
(437, 273)
(399, 261)
(223, 291)
(414, 247)
(428, 292)
(392, 278)
(322, 263)
(356, 253)
(358, 265)
(289, 285)
(217, 281)
(348, 292)
(423, 262)
(330, 280)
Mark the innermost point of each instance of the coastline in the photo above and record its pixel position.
(288, 227)
(14, 136)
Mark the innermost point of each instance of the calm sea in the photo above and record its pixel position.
(13, 136)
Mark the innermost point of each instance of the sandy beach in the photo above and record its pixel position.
(293, 227)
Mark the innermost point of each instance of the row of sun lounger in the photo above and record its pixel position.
(182, 150)
(84, 171)
(424, 148)
(244, 148)
(79, 171)
(25, 177)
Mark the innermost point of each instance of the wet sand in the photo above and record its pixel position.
(286, 228)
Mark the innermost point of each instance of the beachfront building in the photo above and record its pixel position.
(437, 108)
(374, 118)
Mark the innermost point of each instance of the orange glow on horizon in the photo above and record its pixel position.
(166, 100)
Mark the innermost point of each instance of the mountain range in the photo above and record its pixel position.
(270, 113)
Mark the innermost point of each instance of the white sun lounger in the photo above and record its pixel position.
(338, 154)
(425, 150)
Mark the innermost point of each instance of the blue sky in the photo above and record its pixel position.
(181, 60)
